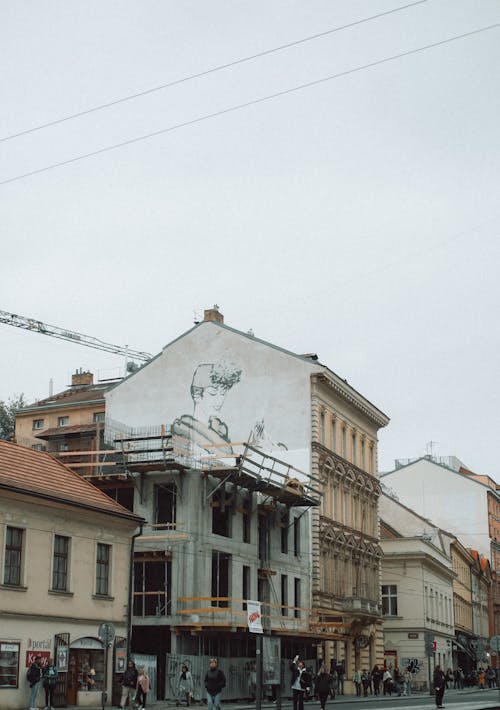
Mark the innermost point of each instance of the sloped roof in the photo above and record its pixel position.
(38, 474)
(72, 395)
(66, 430)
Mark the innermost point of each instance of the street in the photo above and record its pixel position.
(468, 700)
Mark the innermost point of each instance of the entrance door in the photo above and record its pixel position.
(61, 651)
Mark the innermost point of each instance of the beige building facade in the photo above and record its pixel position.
(65, 560)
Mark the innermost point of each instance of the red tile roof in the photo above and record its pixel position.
(39, 474)
(84, 393)
(66, 430)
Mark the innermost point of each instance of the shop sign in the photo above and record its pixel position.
(120, 660)
(31, 655)
(412, 635)
(254, 617)
(39, 645)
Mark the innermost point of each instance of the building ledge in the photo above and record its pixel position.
(103, 597)
(14, 587)
(60, 593)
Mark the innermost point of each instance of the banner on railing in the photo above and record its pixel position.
(254, 617)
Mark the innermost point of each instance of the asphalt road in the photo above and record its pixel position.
(475, 700)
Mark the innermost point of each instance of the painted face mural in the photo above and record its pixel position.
(205, 430)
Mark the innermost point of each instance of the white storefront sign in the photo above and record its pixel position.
(254, 617)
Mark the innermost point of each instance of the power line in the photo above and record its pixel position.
(206, 72)
(247, 104)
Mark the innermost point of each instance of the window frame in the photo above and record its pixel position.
(99, 417)
(63, 421)
(65, 557)
(4, 643)
(37, 421)
(12, 548)
(391, 597)
(100, 564)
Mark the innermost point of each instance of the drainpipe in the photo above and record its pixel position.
(131, 586)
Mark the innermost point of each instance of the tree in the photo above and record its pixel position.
(8, 415)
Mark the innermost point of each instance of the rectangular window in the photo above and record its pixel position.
(353, 448)
(152, 584)
(220, 578)
(333, 434)
(296, 537)
(322, 433)
(38, 423)
(63, 446)
(102, 569)
(165, 496)
(372, 460)
(99, 417)
(284, 595)
(296, 598)
(285, 526)
(13, 556)
(245, 584)
(246, 522)
(389, 600)
(62, 421)
(344, 441)
(363, 454)
(9, 665)
(60, 563)
(39, 447)
(221, 516)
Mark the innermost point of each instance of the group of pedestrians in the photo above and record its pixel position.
(39, 676)
(135, 686)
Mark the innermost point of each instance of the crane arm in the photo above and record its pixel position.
(37, 326)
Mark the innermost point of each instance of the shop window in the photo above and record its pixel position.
(13, 556)
(60, 563)
(9, 664)
(102, 569)
(220, 578)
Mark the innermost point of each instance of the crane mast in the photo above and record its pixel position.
(37, 326)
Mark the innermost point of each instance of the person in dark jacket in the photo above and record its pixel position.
(439, 686)
(49, 677)
(376, 678)
(323, 686)
(129, 684)
(34, 679)
(215, 681)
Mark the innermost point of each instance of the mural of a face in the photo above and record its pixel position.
(210, 385)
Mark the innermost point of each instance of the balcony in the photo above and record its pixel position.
(357, 605)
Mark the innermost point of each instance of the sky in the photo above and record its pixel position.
(357, 218)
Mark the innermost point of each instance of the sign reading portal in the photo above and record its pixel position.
(254, 617)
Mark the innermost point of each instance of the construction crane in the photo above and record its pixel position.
(36, 326)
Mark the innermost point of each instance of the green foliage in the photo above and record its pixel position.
(8, 415)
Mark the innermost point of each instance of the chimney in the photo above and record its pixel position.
(82, 378)
(213, 314)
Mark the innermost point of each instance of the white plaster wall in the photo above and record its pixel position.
(274, 387)
(451, 500)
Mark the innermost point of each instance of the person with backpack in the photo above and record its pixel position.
(215, 681)
(34, 677)
(49, 678)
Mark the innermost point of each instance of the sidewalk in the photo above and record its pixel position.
(312, 704)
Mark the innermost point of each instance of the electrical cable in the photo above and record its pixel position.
(206, 72)
(247, 104)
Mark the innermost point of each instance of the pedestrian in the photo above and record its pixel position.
(129, 684)
(376, 677)
(461, 676)
(357, 682)
(298, 687)
(35, 681)
(398, 682)
(323, 686)
(407, 682)
(365, 681)
(185, 686)
(142, 689)
(215, 681)
(439, 686)
(340, 678)
(481, 678)
(490, 677)
(387, 681)
(49, 678)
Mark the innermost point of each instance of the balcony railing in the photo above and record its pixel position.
(357, 604)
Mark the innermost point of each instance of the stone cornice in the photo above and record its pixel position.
(349, 395)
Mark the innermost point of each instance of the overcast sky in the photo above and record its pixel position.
(357, 218)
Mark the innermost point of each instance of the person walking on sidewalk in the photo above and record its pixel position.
(357, 682)
(129, 684)
(407, 682)
(323, 686)
(185, 687)
(439, 686)
(215, 681)
(298, 684)
(143, 686)
(35, 680)
(49, 678)
(376, 678)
